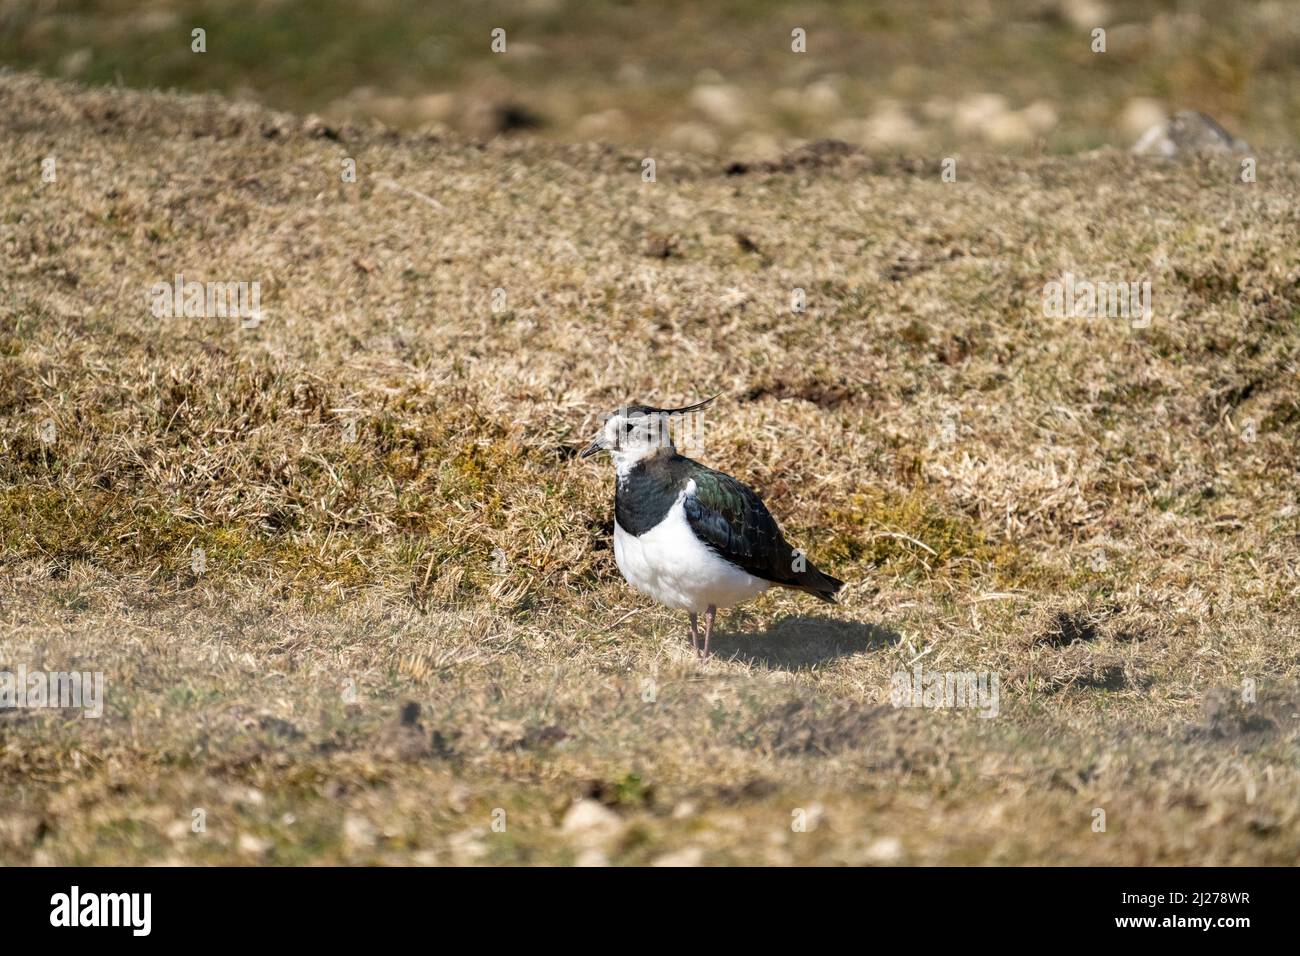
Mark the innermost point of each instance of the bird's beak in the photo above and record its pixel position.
(597, 445)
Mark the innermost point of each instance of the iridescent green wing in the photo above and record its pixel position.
(729, 517)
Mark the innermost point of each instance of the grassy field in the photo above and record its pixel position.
(1007, 75)
(407, 641)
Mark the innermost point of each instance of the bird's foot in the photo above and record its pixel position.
(709, 615)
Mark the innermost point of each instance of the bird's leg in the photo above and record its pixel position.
(695, 633)
(709, 614)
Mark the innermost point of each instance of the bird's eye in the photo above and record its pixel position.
(627, 428)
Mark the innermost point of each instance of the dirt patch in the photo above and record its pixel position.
(803, 728)
(1079, 667)
(1247, 717)
(1069, 627)
(821, 394)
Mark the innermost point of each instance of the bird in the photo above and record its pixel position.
(689, 537)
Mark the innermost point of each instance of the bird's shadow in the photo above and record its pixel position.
(800, 642)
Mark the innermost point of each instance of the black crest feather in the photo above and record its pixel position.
(639, 409)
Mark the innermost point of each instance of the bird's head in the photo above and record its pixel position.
(632, 433)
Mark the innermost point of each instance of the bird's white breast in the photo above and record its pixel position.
(670, 564)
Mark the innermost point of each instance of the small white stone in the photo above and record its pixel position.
(602, 124)
(685, 810)
(253, 846)
(975, 112)
(1008, 129)
(590, 820)
(434, 107)
(466, 847)
(890, 126)
(359, 833)
(756, 147)
(720, 103)
(1084, 14)
(693, 138)
(686, 856)
(885, 850)
(822, 97)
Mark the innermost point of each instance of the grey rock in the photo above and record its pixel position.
(1188, 132)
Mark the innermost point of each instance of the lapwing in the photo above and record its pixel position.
(692, 538)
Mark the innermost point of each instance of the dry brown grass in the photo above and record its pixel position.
(334, 564)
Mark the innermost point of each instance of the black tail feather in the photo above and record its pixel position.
(820, 584)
